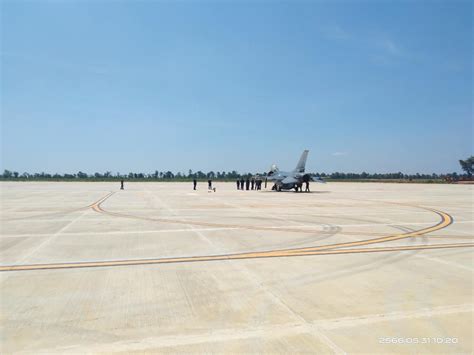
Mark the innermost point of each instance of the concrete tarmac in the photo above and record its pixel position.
(158, 267)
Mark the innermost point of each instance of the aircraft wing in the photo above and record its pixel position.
(289, 180)
(317, 179)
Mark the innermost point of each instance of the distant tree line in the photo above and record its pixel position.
(157, 175)
(466, 165)
(221, 175)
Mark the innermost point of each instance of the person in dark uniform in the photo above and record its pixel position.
(253, 183)
(209, 184)
(238, 184)
(299, 187)
(121, 184)
(306, 179)
(247, 184)
(194, 184)
(242, 183)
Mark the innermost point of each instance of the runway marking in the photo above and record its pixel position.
(266, 331)
(52, 237)
(453, 236)
(225, 257)
(446, 262)
(160, 343)
(155, 231)
(255, 280)
(329, 249)
(97, 207)
(57, 212)
(266, 227)
(330, 324)
(445, 221)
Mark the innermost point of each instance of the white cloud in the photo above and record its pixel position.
(390, 47)
(335, 32)
(338, 154)
(380, 47)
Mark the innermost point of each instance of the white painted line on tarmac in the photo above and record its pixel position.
(244, 209)
(445, 262)
(312, 329)
(263, 332)
(199, 337)
(122, 232)
(336, 323)
(229, 228)
(52, 237)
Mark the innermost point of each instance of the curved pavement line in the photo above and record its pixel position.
(99, 209)
(111, 263)
(59, 212)
(445, 221)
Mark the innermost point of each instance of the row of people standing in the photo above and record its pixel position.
(250, 184)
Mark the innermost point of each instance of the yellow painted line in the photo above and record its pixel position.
(96, 205)
(75, 265)
(445, 221)
(60, 212)
(98, 208)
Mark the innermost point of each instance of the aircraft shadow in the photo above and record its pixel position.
(293, 192)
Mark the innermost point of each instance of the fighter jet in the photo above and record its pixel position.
(294, 179)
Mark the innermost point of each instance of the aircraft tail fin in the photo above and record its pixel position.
(302, 162)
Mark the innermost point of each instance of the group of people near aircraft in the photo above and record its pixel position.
(282, 180)
(255, 183)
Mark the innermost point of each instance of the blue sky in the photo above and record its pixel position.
(375, 86)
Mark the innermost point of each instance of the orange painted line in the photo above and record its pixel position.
(75, 265)
(445, 221)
